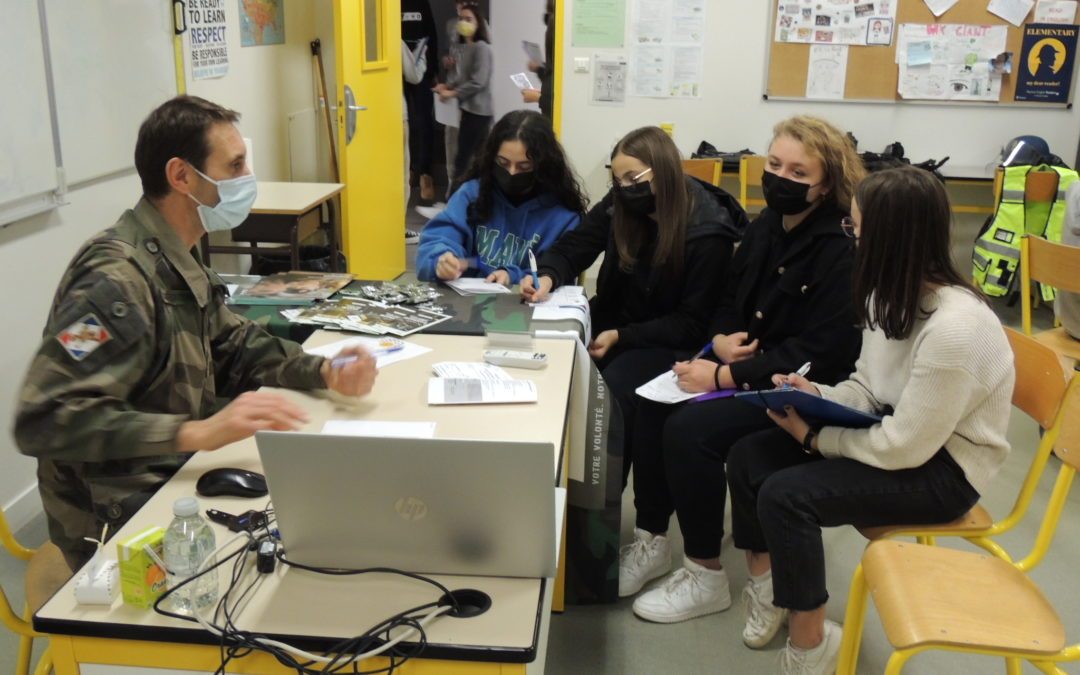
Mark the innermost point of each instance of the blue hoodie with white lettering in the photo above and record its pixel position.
(501, 242)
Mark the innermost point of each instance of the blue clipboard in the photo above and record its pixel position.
(810, 407)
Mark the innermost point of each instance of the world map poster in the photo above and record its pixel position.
(262, 22)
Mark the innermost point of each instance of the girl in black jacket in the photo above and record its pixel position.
(667, 240)
(787, 302)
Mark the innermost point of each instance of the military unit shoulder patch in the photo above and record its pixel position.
(81, 338)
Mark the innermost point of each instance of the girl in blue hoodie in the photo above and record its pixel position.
(520, 195)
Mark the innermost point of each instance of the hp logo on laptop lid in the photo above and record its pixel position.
(410, 508)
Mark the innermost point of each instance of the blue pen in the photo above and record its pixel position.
(532, 268)
(801, 372)
(345, 360)
(704, 350)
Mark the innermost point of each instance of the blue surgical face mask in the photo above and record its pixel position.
(236, 196)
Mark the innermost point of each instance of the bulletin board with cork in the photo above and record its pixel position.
(872, 71)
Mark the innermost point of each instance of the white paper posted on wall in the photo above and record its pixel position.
(949, 61)
(844, 22)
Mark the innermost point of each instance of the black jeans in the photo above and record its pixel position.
(781, 497)
(624, 371)
(420, 102)
(471, 136)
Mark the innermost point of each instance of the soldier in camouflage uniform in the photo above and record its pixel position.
(140, 349)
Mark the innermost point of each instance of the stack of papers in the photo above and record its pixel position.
(476, 286)
(565, 302)
(664, 388)
(469, 382)
(290, 288)
(374, 346)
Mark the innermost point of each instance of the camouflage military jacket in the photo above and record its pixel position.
(138, 341)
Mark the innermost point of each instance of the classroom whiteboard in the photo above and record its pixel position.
(28, 163)
(85, 75)
(112, 63)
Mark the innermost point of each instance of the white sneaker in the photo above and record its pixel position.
(411, 236)
(763, 618)
(647, 558)
(430, 212)
(690, 592)
(820, 660)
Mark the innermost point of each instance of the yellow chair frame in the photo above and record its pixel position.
(1056, 265)
(706, 169)
(890, 569)
(1041, 388)
(21, 626)
(750, 169)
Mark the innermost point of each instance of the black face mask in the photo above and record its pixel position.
(783, 195)
(638, 198)
(518, 186)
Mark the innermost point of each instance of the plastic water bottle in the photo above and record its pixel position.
(188, 542)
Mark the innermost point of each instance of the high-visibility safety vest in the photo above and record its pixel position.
(997, 250)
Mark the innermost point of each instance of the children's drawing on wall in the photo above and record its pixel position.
(827, 72)
(849, 22)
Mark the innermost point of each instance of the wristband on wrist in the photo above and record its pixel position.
(808, 442)
(716, 376)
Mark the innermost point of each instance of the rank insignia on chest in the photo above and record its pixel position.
(81, 338)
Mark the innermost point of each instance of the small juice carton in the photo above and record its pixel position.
(142, 579)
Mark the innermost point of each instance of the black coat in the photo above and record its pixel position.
(799, 305)
(417, 21)
(649, 308)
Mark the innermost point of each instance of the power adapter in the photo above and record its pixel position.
(266, 557)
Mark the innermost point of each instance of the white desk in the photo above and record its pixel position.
(314, 611)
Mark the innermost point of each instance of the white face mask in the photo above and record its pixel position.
(236, 196)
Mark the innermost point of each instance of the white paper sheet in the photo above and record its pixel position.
(532, 50)
(827, 72)
(1055, 11)
(372, 345)
(609, 80)
(664, 388)
(476, 286)
(1013, 11)
(470, 370)
(452, 391)
(381, 429)
(939, 7)
(447, 112)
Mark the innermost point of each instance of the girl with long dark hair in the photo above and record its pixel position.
(935, 364)
(520, 195)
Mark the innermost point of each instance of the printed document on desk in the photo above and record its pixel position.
(470, 370)
(476, 286)
(454, 391)
(664, 388)
(373, 345)
(810, 407)
(565, 302)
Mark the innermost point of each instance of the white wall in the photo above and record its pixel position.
(265, 84)
(732, 115)
(512, 22)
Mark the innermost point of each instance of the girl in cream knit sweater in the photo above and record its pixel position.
(935, 364)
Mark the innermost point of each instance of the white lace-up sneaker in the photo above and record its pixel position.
(763, 618)
(688, 593)
(820, 660)
(647, 558)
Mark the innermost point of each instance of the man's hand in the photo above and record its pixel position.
(532, 294)
(530, 95)
(499, 277)
(603, 342)
(355, 378)
(534, 67)
(249, 412)
(732, 348)
(450, 267)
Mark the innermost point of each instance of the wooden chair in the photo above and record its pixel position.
(1056, 265)
(936, 598)
(46, 572)
(709, 170)
(1041, 386)
(750, 169)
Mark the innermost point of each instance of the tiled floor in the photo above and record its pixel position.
(609, 639)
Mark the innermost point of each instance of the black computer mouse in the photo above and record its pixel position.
(231, 483)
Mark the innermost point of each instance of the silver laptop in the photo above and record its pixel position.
(425, 505)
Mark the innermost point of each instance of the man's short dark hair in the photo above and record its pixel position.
(176, 128)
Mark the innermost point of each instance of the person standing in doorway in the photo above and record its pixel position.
(471, 86)
(418, 23)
